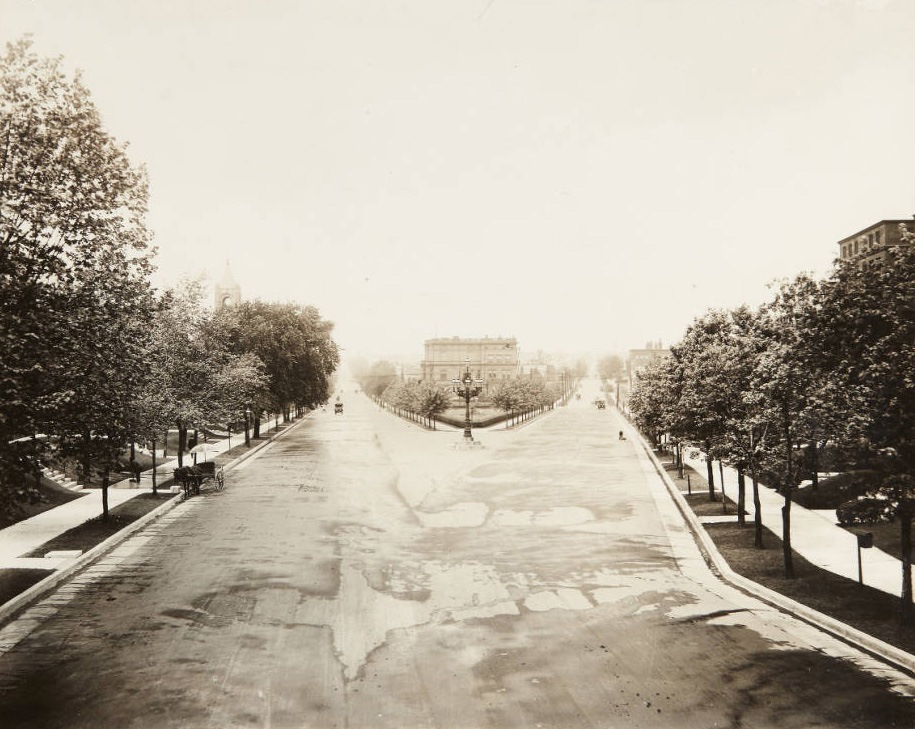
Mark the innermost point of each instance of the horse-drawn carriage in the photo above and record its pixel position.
(192, 478)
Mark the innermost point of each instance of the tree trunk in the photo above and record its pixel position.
(182, 442)
(86, 460)
(757, 515)
(814, 465)
(757, 507)
(724, 501)
(35, 461)
(711, 478)
(786, 536)
(105, 480)
(905, 535)
(786, 509)
(154, 467)
(741, 496)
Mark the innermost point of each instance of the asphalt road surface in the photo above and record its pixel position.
(361, 572)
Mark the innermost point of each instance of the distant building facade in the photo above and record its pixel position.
(491, 359)
(641, 358)
(226, 292)
(869, 245)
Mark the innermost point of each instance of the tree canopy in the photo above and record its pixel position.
(91, 355)
(824, 363)
(74, 264)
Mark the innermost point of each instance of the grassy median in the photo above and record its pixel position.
(869, 610)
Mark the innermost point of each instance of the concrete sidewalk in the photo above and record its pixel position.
(27, 536)
(815, 534)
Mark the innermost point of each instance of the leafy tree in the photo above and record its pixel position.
(867, 339)
(423, 399)
(785, 378)
(521, 396)
(110, 324)
(741, 430)
(431, 401)
(295, 346)
(611, 367)
(381, 375)
(74, 266)
(704, 397)
(184, 361)
(654, 397)
(721, 372)
(150, 412)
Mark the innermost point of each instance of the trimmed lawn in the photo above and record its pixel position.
(50, 496)
(886, 537)
(14, 582)
(94, 531)
(871, 611)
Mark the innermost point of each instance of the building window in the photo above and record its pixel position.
(877, 238)
(856, 246)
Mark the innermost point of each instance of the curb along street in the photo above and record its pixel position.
(875, 647)
(11, 608)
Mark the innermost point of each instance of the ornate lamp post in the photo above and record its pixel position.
(467, 388)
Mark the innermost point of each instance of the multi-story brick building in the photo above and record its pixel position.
(640, 358)
(870, 244)
(491, 359)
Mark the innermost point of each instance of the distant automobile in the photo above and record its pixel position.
(338, 408)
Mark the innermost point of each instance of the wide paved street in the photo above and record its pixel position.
(360, 572)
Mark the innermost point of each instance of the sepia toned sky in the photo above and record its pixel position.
(585, 175)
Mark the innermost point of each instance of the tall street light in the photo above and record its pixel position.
(467, 388)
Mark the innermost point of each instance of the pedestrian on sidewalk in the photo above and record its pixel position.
(135, 471)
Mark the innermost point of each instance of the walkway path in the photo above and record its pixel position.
(815, 535)
(28, 535)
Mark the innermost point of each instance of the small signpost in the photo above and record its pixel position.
(865, 541)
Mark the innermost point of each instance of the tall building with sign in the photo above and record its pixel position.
(490, 358)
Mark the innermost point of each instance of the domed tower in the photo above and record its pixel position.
(227, 292)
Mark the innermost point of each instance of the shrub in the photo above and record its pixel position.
(866, 510)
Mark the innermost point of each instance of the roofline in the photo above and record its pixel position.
(874, 225)
(460, 340)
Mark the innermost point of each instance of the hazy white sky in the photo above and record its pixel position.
(580, 174)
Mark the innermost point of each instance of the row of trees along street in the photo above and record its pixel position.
(822, 378)
(93, 357)
(518, 397)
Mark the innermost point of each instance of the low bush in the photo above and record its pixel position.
(866, 510)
